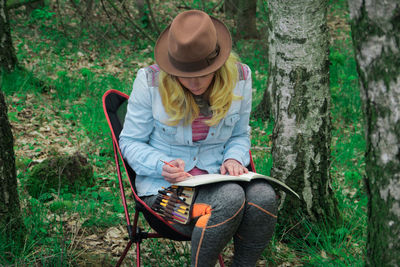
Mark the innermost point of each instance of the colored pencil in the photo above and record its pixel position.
(169, 164)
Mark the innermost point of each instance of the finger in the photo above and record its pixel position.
(174, 177)
(245, 170)
(180, 164)
(170, 169)
(230, 169)
(241, 170)
(174, 163)
(236, 169)
(223, 169)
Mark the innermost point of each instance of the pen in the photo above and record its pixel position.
(169, 164)
(173, 200)
(163, 206)
(173, 216)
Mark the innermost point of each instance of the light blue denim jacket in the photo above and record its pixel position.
(146, 138)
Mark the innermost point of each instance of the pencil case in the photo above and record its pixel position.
(175, 203)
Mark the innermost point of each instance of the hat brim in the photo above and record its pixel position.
(224, 41)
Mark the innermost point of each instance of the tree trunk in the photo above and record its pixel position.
(266, 108)
(376, 39)
(299, 80)
(10, 214)
(8, 60)
(246, 20)
(11, 225)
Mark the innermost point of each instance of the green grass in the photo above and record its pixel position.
(77, 69)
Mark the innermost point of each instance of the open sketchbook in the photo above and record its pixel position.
(202, 179)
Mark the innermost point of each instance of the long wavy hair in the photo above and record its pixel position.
(179, 102)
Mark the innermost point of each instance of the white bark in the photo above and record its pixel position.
(299, 54)
(376, 39)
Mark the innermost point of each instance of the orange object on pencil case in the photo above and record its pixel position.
(174, 203)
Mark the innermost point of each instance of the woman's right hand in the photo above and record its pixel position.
(175, 174)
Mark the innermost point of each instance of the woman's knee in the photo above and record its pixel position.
(262, 194)
(224, 196)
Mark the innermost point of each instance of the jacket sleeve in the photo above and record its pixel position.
(238, 145)
(138, 126)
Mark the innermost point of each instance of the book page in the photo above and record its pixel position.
(209, 178)
(215, 178)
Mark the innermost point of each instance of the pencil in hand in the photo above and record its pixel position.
(169, 164)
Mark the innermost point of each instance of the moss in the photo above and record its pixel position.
(387, 66)
(290, 38)
(69, 173)
(298, 104)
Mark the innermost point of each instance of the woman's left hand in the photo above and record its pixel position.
(233, 167)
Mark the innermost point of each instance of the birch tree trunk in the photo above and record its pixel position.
(376, 39)
(299, 79)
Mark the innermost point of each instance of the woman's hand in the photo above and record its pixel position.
(174, 174)
(233, 167)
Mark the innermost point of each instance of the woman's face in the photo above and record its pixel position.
(197, 85)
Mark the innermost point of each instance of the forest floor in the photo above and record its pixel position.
(45, 124)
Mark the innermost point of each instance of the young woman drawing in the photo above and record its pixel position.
(192, 110)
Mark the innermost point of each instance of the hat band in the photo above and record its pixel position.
(195, 65)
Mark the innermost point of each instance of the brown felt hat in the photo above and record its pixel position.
(193, 45)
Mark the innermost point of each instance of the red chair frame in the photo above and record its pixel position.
(112, 102)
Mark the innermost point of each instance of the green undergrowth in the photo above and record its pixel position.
(70, 73)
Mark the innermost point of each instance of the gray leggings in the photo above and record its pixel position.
(244, 211)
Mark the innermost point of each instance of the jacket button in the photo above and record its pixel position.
(194, 158)
(212, 134)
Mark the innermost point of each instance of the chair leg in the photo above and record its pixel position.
(221, 261)
(138, 254)
(128, 246)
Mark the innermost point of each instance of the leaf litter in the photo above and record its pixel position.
(40, 131)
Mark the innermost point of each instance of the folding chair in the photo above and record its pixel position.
(115, 107)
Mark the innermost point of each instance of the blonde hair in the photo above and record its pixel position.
(179, 102)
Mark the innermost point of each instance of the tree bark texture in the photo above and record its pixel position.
(299, 82)
(376, 39)
(8, 60)
(10, 215)
(246, 20)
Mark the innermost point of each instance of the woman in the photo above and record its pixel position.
(192, 110)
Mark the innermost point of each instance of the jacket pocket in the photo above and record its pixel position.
(165, 132)
(166, 129)
(227, 127)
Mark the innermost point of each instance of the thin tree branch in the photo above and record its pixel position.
(152, 17)
(217, 5)
(112, 22)
(131, 21)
